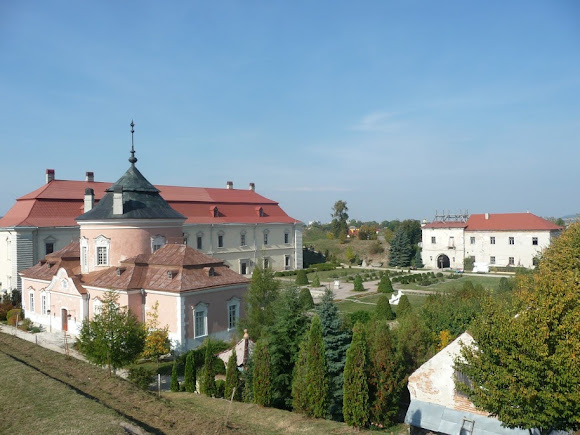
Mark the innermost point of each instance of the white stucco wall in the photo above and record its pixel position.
(448, 241)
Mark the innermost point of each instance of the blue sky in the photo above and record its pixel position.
(399, 108)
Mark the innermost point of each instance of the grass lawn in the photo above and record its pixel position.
(488, 282)
(327, 275)
(350, 305)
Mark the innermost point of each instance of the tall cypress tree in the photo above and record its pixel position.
(208, 386)
(336, 341)
(189, 380)
(356, 389)
(316, 377)
(284, 338)
(262, 376)
(299, 386)
(383, 310)
(386, 375)
(232, 377)
(174, 381)
(404, 307)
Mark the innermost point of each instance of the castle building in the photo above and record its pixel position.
(500, 240)
(238, 226)
(132, 242)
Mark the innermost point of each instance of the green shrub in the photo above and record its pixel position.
(4, 308)
(316, 281)
(358, 284)
(439, 274)
(220, 387)
(13, 315)
(142, 376)
(305, 299)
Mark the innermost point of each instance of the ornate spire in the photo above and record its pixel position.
(132, 159)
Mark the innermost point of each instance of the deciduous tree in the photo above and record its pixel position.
(114, 337)
(157, 341)
(339, 219)
(523, 367)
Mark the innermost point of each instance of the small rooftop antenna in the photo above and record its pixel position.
(132, 159)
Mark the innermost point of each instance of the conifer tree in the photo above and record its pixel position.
(299, 386)
(208, 386)
(301, 277)
(262, 376)
(404, 307)
(306, 300)
(316, 377)
(383, 310)
(284, 338)
(259, 300)
(358, 284)
(418, 260)
(401, 250)
(356, 389)
(232, 377)
(385, 285)
(336, 341)
(316, 281)
(189, 380)
(248, 380)
(386, 375)
(174, 381)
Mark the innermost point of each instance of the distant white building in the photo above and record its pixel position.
(502, 239)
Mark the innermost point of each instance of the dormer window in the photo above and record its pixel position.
(214, 211)
(120, 271)
(209, 270)
(171, 274)
(260, 211)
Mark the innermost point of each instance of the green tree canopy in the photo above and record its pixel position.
(358, 284)
(383, 310)
(524, 366)
(385, 285)
(262, 293)
(404, 306)
(262, 376)
(232, 378)
(401, 249)
(302, 277)
(339, 219)
(114, 337)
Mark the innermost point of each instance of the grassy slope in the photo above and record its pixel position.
(40, 397)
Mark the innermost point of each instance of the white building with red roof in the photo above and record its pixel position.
(132, 242)
(238, 226)
(501, 240)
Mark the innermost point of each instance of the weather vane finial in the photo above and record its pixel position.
(132, 159)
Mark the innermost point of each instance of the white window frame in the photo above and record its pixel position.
(31, 301)
(220, 239)
(102, 242)
(157, 242)
(511, 261)
(286, 237)
(201, 309)
(492, 259)
(43, 302)
(511, 240)
(492, 240)
(84, 255)
(234, 304)
(534, 241)
(287, 264)
(433, 240)
(97, 307)
(472, 240)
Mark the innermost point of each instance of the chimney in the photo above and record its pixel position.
(49, 175)
(486, 216)
(230, 185)
(89, 199)
(118, 200)
(90, 176)
(253, 187)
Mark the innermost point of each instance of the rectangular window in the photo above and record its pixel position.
(492, 260)
(199, 244)
(286, 262)
(200, 322)
(220, 241)
(511, 261)
(511, 240)
(232, 316)
(265, 238)
(433, 240)
(492, 240)
(244, 268)
(102, 256)
(85, 261)
(31, 307)
(43, 304)
(286, 238)
(266, 263)
(472, 240)
(534, 240)
(243, 240)
(156, 246)
(48, 248)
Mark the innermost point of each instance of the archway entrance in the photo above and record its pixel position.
(443, 261)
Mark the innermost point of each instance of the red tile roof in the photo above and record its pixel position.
(59, 202)
(509, 222)
(149, 271)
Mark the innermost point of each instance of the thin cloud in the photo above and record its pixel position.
(376, 121)
(312, 189)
